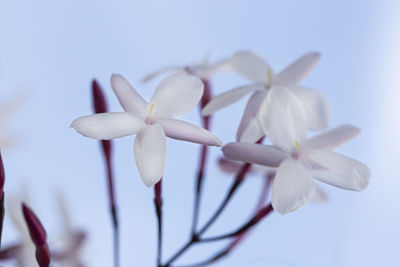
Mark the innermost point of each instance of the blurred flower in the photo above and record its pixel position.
(204, 70)
(152, 121)
(66, 249)
(300, 161)
(316, 109)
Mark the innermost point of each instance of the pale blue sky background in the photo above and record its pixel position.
(50, 51)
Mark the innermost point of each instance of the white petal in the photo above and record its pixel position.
(109, 125)
(332, 138)
(176, 95)
(229, 97)
(283, 118)
(251, 67)
(293, 186)
(159, 72)
(298, 70)
(254, 153)
(316, 107)
(150, 154)
(250, 129)
(339, 170)
(127, 96)
(185, 131)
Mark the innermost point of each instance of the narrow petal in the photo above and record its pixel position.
(185, 131)
(150, 154)
(105, 126)
(176, 95)
(332, 138)
(159, 72)
(316, 107)
(293, 186)
(338, 170)
(251, 67)
(254, 153)
(250, 129)
(127, 96)
(298, 70)
(283, 118)
(225, 99)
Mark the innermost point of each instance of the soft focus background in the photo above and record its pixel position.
(50, 51)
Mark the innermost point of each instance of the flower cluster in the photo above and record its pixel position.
(279, 109)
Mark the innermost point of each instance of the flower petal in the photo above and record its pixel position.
(332, 138)
(283, 118)
(251, 67)
(185, 131)
(250, 129)
(109, 125)
(229, 97)
(150, 150)
(317, 108)
(127, 96)
(176, 95)
(293, 186)
(298, 70)
(254, 153)
(338, 170)
(160, 71)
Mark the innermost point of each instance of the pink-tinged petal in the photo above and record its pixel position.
(332, 138)
(127, 96)
(185, 131)
(160, 72)
(298, 70)
(251, 67)
(316, 107)
(338, 170)
(105, 126)
(254, 153)
(283, 119)
(229, 166)
(225, 99)
(150, 150)
(250, 129)
(293, 186)
(176, 95)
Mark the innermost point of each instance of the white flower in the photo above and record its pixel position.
(302, 161)
(204, 70)
(152, 121)
(255, 69)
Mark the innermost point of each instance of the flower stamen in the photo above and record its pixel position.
(151, 107)
(270, 75)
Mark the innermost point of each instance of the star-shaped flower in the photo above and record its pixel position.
(303, 160)
(152, 121)
(263, 85)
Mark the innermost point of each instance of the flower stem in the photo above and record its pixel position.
(203, 158)
(263, 212)
(238, 181)
(158, 207)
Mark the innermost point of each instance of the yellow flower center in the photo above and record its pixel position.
(151, 107)
(298, 147)
(270, 75)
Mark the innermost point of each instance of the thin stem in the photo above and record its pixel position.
(238, 181)
(158, 207)
(262, 213)
(106, 146)
(203, 158)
